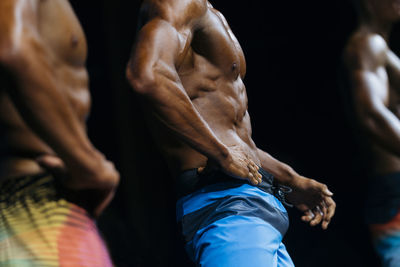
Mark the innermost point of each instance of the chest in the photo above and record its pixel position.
(215, 43)
(61, 31)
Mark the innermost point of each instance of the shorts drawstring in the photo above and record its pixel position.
(280, 192)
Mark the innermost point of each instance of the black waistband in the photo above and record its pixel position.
(15, 188)
(191, 180)
(20, 181)
(383, 198)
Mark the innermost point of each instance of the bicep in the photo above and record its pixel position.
(370, 93)
(155, 52)
(18, 23)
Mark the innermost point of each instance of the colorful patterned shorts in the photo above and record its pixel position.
(383, 217)
(38, 227)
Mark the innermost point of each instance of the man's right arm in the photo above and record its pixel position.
(41, 100)
(152, 73)
(371, 94)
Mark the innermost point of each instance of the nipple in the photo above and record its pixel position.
(234, 66)
(74, 41)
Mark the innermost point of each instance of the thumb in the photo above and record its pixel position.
(326, 191)
(210, 167)
(51, 162)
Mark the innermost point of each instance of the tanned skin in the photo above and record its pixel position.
(44, 100)
(374, 72)
(188, 67)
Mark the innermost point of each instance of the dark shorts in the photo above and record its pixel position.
(383, 198)
(228, 222)
(383, 217)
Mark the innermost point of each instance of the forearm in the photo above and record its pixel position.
(42, 103)
(170, 105)
(371, 102)
(152, 72)
(282, 172)
(383, 127)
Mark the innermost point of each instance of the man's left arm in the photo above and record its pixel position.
(311, 197)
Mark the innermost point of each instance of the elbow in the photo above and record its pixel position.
(371, 119)
(10, 60)
(6, 55)
(141, 81)
(15, 51)
(12, 56)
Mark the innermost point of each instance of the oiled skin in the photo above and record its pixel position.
(374, 72)
(45, 99)
(189, 68)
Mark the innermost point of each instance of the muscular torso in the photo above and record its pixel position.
(388, 91)
(65, 45)
(384, 160)
(211, 71)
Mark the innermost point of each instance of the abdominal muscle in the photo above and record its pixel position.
(226, 114)
(181, 156)
(384, 162)
(19, 145)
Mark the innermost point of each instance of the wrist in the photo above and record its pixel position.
(84, 158)
(222, 155)
(85, 169)
(286, 176)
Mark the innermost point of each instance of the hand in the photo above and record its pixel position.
(314, 199)
(239, 164)
(91, 193)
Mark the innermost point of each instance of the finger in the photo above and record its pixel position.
(253, 165)
(257, 176)
(331, 207)
(253, 179)
(318, 216)
(326, 191)
(201, 169)
(325, 214)
(99, 209)
(254, 169)
(308, 216)
(49, 161)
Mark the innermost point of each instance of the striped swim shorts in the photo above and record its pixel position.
(39, 227)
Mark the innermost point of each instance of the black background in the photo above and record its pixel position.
(293, 50)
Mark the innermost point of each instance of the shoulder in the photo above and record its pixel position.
(179, 13)
(366, 51)
(18, 21)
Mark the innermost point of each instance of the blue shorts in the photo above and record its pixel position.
(234, 224)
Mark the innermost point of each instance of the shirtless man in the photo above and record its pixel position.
(374, 76)
(188, 68)
(47, 219)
